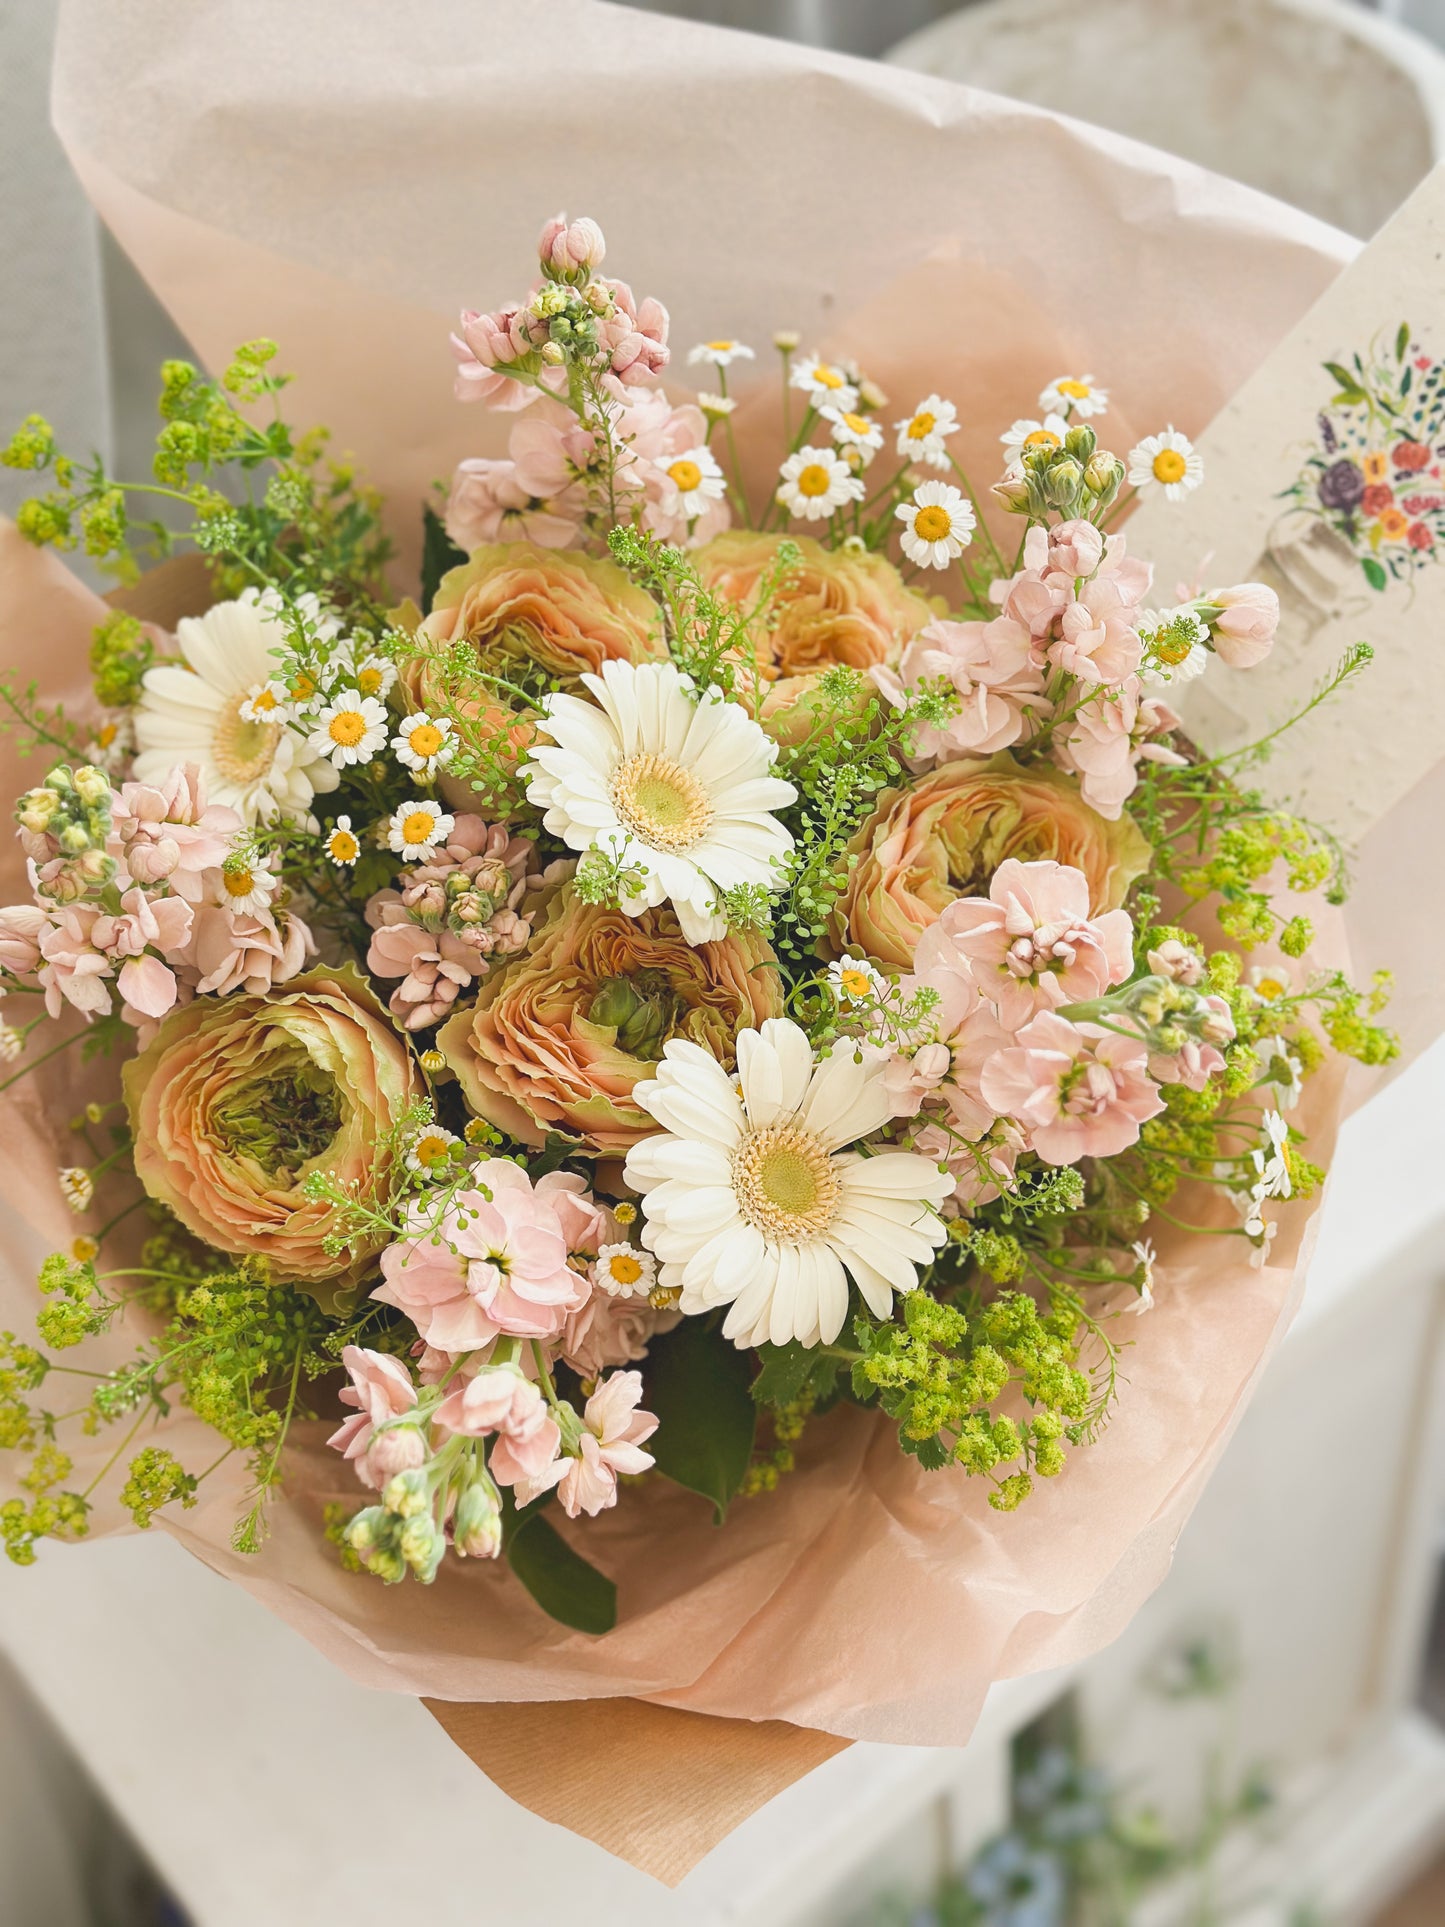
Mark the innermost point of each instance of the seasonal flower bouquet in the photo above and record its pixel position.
(708, 962)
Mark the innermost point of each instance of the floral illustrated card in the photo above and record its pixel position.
(1325, 478)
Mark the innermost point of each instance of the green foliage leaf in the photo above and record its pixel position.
(1402, 341)
(1374, 572)
(786, 1370)
(561, 1581)
(438, 554)
(1351, 392)
(698, 1386)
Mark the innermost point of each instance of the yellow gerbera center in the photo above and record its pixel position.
(687, 475)
(369, 680)
(624, 1269)
(814, 480)
(859, 424)
(343, 846)
(662, 803)
(1169, 466)
(418, 827)
(1042, 438)
(785, 1184)
(243, 750)
(240, 881)
(827, 377)
(933, 524)
(347, 728)
(425, 740)
(922, 425)
(1075, 390)
(854, 983)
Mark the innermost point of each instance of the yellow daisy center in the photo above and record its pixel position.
(933, 524)
(785, 1184)
(1269, 988)
(922, 425)
(1042, 438)
(347, 728)
(240, 881)
(369, 681)
(242, 750)
(827, 377)
(854, 983)
(1172, 649)
(1169, 466)
(418, 826)
(814, 480)
(662, 803)
(1075, 390)
(431, 1149)
(264, 699)
(425, 740)
(83, 1250)
(106, 735)
(624, 1269)
(687, 475)
(722, 347)
(303, 686)
(343, 846)
(859, 424)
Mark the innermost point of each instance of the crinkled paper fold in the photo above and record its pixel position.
(344, 178)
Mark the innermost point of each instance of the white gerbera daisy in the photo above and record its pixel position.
(1168, 461)
(815, 483)
(423, 743)
(921, 434)
(853, 980)
(622, 1271)
(246, 887)
(1022, 435)
(1175, 646)
(375, 676)
(349, 729)
(937, 524)
(698, 480)
(751, 1197)
(1074, 394)
(261, 770)
(677, 790)
(430, 1151)
(720, 354)
(852, 430)
(343, 845)
(824, 384)
(417, 828)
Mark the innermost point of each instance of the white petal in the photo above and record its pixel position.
(846, 1100)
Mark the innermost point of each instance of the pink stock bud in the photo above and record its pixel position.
(1244, 629)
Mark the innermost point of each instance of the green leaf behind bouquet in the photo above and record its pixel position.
(698, 1385)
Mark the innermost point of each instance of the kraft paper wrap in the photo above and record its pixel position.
(344, 178)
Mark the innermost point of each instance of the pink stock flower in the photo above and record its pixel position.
(485, 340)
(1032, 945)
(991, 667)
(609, 1331)
(487, 504)
(84, 945)
(654, 434)
(570, 248)
(1069, 548)
(587, 1224)
(1077, 1090)
(634, 335)
(22, 925)
(968, 1029)
(1244, 630)
(381, 1388)
(551, 453)
(245, 950)
(1097, 641)
(610, 1444)
(494, 1264)
(1196, 1061)
(167, 833)
(499, 1402)
(434, 967)
(1106, 741)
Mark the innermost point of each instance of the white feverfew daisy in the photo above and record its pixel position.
(349, 729)
(754, 1199)
(430, 1152)
(343, 845)
(937, 524)
(12, 1043)
(825, 385)
(1169, 461)
(1175, 646)
(719, 354)
(622, 1271)
(192, 714)
(267, 702)
(423, 743)
(677, 790)
(77, 1187)
(375, 677)
(716, 407)
(815, 483)
(1023, 435)
(417, 830)
(853, 980)
(851, 430)
(245, 887)
(921, 434)
(698, 480)
(1074, 395)
(1147, 1257)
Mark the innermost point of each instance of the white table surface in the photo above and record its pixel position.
(266, 1786)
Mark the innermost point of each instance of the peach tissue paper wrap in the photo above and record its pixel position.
(344, 181)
